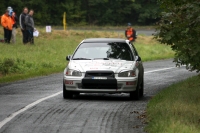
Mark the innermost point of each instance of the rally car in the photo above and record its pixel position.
(104, 65)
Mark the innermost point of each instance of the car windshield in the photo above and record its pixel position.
(104, 51)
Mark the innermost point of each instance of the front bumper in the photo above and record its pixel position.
(116, 85)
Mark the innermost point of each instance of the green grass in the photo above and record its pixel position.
(176, 109)
(47, 55)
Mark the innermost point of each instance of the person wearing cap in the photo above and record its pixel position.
(130, 33)
(22, 24)
(6, 22)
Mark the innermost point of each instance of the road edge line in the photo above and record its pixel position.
(160, 69)
(9, 118)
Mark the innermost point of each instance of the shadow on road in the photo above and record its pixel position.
(108, 97)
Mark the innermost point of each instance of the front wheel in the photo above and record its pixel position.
(142, 88)
(67, 94)
(135, 95)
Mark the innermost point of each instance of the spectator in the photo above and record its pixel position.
(10, 10)
(22, 24)
(14, 21)
(6, 22)
(130, 33)
(29, 22)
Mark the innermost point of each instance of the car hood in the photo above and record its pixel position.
(88, 65)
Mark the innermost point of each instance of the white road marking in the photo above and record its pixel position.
(13, 115)
(160, 70)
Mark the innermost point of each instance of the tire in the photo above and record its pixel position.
(67, 94)
(135, 95)
(142, 88)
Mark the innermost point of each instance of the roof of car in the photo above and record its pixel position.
(104, 40)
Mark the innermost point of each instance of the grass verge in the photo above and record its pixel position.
(47, 55)
(176, 109)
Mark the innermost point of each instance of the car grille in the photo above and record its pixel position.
(109, 83)
(99, 86)
(100, 74)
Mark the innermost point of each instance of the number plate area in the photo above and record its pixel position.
(100, 78)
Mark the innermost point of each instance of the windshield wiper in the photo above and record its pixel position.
(81, 59)
(101, 59)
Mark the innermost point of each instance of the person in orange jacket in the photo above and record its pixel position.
(7, 24)
(130, 33)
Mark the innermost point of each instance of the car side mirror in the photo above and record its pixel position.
(138, 58)
(68, 58)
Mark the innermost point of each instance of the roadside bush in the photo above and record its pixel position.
(6, 65)
(20, 66)
(180, 28)
(10, 65)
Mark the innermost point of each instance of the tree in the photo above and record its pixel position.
(179, 27)
(95, 12)
(75, 15)
(145, 12)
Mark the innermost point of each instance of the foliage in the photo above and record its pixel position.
(11, 65)
(145, 11)
(180, 28)
(92, 12)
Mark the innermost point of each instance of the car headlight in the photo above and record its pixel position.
(130, 73)
(70, 72)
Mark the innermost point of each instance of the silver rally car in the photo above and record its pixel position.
(104, 65)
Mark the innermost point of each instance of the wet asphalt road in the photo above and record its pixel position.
(88, 113)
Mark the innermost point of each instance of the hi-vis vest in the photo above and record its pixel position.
(130, 34)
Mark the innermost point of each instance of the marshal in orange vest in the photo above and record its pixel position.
(130, 34)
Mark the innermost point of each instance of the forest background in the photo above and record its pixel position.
(88, 12)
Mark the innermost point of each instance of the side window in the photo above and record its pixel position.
(133, 49)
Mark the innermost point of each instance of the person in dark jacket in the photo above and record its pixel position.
(22, 24)
(29, 22)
